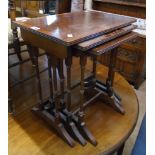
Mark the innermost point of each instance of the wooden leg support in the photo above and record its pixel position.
(67, 112)
(81, 124)
(50, 105)
(51, 115)
(116, 101)
(108, 94)
(33, 51)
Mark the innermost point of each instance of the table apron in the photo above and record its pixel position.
(51, 47)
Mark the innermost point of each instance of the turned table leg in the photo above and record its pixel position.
(55, 79)
(62, 82)
(72, 125)
(33, 52)
(82, 125)
(83, 61)
(94, 68)
(110, 80)
(51, 99)
(51, 112)
(68, 62)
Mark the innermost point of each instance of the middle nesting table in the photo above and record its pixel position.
(62, 37)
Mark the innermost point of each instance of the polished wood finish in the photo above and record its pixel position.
(111, 129)
(104, 38)
(113, 44)
(43, 43)
(135, 8)
(51, 33)
(67, 30)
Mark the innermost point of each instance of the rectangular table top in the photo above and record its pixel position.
(72, 28)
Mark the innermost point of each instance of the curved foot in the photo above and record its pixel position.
(70, 125)
(56, 124)
(65, 135)
(117, 105)
(77, 134)
(87, 134)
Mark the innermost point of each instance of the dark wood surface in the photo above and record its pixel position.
(66, 29)
(113, 44)
(111, 129)
(104, 38)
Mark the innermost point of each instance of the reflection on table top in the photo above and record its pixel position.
(72, 28)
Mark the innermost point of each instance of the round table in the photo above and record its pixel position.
(110, 128)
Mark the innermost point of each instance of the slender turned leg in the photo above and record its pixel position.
(83, 60)
(16, 43)
(110, 80)
(33, 51)
(94, 68)
(68, 62)
(57, 120)
(81, 123)
(51, 99)
(62, 82)
(31, 56)
(72, 125)
(120, 151)
(50, 77)
(54, 66)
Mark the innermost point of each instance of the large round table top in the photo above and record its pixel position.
(28, 134)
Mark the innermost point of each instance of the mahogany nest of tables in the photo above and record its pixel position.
(58, 35)
(30, 135)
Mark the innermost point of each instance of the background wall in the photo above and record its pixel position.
(88, 4)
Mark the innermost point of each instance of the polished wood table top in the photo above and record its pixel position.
(30, 135)
(72, 28)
